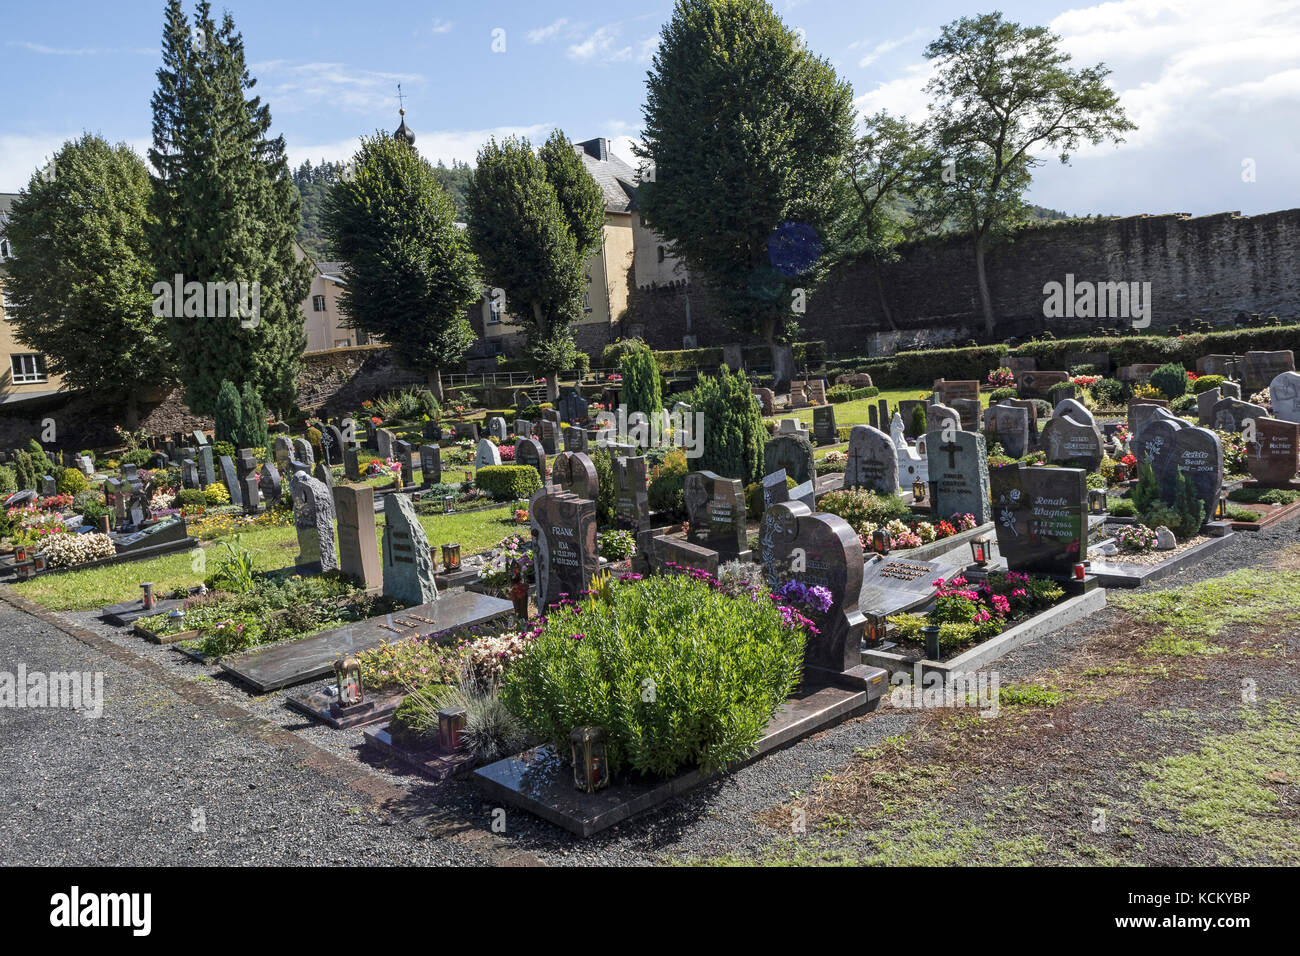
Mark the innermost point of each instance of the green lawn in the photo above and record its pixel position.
(855, 413)
(275, 547)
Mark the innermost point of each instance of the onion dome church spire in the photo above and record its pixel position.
(403, 132)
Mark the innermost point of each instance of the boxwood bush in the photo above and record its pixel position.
(719, 668)
(508, 482)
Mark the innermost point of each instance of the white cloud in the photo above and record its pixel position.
(20, 156)
(433, 145)
(549, 32)
(601, 45)
(880, 49)
(441, 26)
(293, 88)
(1207, 83)
(45, 50)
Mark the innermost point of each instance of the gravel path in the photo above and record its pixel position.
(275, 787)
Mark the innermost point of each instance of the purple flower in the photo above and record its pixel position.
(820, 598)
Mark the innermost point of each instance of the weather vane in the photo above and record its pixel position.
(401, 101)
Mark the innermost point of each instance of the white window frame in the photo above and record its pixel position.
(318, 303)
(38, 371)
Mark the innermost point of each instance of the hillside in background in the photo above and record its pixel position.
(313, 182)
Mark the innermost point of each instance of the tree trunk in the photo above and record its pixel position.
(986, 300)
(435, 384)
(552, 386)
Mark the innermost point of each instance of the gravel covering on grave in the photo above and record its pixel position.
(1149, 558)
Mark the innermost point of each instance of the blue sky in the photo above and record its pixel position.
(1213, 86)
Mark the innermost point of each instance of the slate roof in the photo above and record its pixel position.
(6, 203)
(617, 180)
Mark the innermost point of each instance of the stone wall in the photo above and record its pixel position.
(330, 383)
(1207, 267)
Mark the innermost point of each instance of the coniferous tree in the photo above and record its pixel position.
(228, 415)
(225, 212)
(252, 420)
(80, 274)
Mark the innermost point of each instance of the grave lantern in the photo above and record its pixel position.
(449, 504)
(1098, 501)
(38, 561)
(20, 553)
(876, 628)
(930, 633)
(451, 724)
(590, 763)
(1221, 511)
(450, 558)
(881, 541)
(147, 600)
(347, 674)
(918, 490)
(979, 550)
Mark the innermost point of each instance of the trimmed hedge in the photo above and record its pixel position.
(690, 360)
(838, 394)
(508, 482)
(1160, 349)
(906, 369)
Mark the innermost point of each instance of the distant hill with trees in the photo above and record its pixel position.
(314, 181)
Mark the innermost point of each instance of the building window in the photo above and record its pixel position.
(586, 302)
(661, 253)
(7, 305)
(4, 248)
(363, 338)
(318, 303)
(342, 343)
(494, 310)
(28, 369)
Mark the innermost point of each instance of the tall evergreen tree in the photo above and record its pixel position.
(409, 273)
(532, 234)
(229, 414)
(225, 211)
(252, 420)
(80, 275)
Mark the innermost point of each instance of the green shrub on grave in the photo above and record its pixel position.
(722, 666)
(916, 427)
(140, 458)
(864, 510)
(642, 390)
(1170, 380)
(72, 481)
(25, 471)
(734, 433)
(190, 498)
(606, 493)
(1207, 382)
(1123, 508)
(1265, 496)
(8, 480)
(667, 486)
(509, 482)
(1000, 394)
(1183, 403)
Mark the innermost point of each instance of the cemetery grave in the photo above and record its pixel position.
(929, 550)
